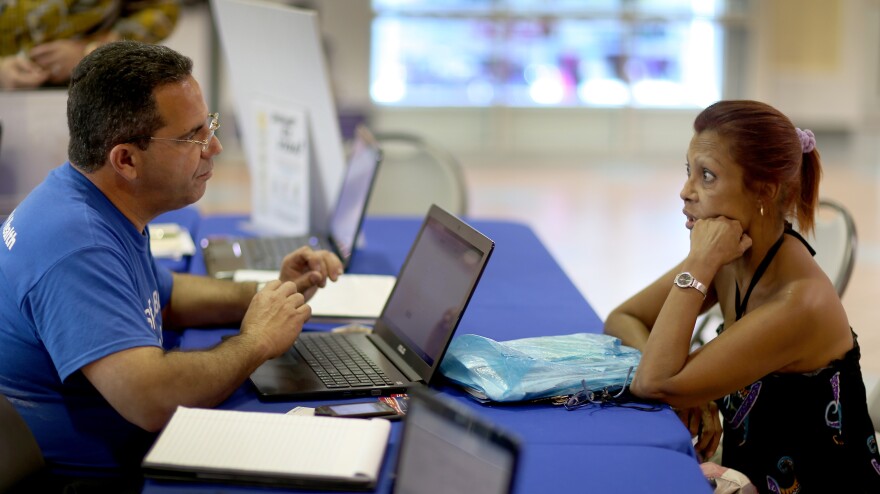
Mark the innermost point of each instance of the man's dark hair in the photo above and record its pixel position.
(111, 99)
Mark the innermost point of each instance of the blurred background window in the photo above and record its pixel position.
(566, 53)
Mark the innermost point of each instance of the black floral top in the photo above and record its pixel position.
(804, 433)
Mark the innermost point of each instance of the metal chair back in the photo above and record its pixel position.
(415, 174)
(20, 456)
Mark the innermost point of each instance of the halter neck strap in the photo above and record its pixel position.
(768, 257)
(791, 231)
(741, 307)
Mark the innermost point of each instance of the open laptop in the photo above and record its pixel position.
(410, 336)
(225, 255)
(446, 448)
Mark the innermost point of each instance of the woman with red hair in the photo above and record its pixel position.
(784, 369)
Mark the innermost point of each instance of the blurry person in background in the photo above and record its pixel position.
(42, 41)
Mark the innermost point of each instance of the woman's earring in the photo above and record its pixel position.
(762, 209)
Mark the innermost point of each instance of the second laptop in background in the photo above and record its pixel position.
(226, 255)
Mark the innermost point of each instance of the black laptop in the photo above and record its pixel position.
(410, 336)
(225, 255)
(446, 448)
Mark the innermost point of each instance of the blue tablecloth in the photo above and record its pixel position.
(522, 293)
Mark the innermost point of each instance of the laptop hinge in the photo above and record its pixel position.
(396, 359)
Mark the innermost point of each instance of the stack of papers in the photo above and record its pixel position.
(170, 241)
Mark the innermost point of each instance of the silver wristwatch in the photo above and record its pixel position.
(687, 280)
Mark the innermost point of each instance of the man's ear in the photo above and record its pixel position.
(125, 160)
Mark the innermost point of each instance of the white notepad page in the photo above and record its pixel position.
(355, 296)
(270, 443)
(359, 296)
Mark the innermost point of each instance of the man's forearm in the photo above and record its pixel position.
(206, 378)
(146, 384)
(201, 301)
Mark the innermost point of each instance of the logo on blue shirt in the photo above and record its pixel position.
(152, 313)
(9, 232)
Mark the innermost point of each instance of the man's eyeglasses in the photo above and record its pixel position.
(609, 396)
(213, 125)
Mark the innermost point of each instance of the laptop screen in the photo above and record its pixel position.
(430, 296)
(445, 450)
(355, 193)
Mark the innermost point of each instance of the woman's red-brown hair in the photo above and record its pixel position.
(766, 145)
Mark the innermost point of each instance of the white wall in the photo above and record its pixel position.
(34, 141)
(810, 59)
(193, 37)
(346, 26)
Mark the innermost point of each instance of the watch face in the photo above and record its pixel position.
(684, 279)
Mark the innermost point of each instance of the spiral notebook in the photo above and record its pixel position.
(311, 452)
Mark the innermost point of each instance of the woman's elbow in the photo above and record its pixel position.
(629, 330)
(662, 391)
(614, 320)
(611, 328)
(647, 389)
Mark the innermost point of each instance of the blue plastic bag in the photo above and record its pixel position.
(535, 368)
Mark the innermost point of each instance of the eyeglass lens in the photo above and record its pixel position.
(213, 125)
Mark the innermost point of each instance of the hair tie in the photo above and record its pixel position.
(808, 140)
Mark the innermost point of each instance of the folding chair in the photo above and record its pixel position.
(20, 456)
(415, 174)
(874, 407)
(835, 241)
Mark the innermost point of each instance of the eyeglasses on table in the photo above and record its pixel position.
(609, 396)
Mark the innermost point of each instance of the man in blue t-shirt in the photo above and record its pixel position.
(83, 302)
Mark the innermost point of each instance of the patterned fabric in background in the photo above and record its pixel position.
(27, 23)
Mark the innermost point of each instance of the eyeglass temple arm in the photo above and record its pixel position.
(625, 382)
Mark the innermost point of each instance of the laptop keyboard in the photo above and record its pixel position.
(269, 252)
(338, 363)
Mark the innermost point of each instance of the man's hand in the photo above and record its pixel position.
(276, 317)
(18, 72)
(146, 384)
(310, 269)
(58, 58)
(703, 421)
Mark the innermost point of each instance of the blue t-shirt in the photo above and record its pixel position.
(77, 283)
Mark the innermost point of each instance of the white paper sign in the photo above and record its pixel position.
(280, 169)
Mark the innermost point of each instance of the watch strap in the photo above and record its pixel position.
(693, 283)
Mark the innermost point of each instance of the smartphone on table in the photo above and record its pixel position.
(363, 409)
